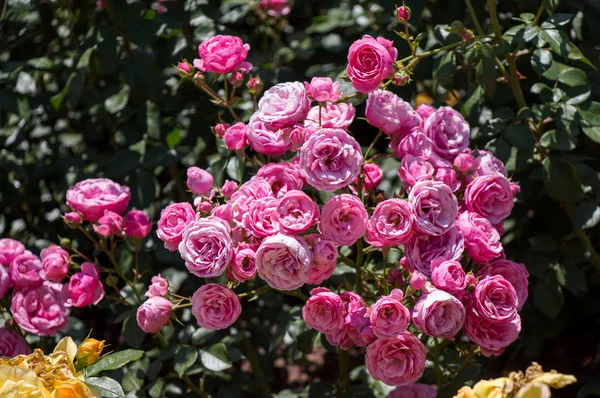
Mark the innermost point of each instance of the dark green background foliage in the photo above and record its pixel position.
(86, 92)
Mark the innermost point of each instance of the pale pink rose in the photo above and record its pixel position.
(55, 263)
(153, 314)
(243, 267)
(222, 54)
(464, 162)
(323, 89)
(448, 131)
(206, 247)
(84, 288)
(370, 62)
(491, 197)
(357, 324)
(40, 310)
(199, 181)
(343, 219)
(283, 261)
(448, 275)
(215, 307)
(296, 212)
(513, 272)
(417, 280)
(439, 314)
(396, 360)
(422, 249)
(12, 344)
(25, 271)
(495, 299)
(93, 196)
(414, 169)
(434, 207)
(486, 163)
(224, 212)
(283, 105)
(324, 311)
(331, 159)
(417, 144)
(266, 140)
(325, 254)
(276, 8)
(299, 135)
(5, 282)
(482, 240)
(388, 316)
(236, 136)
(173, 220)
(332, 116)
(371, 176)
(158, 288)
(388, 112)
(110, 223)
(261, 220)
(247, 193)
(425, 110)
(9, 249)
(391, 223)
(72, 217)
(492, 337)
(229, 188)
(136, 224)
(282, 177)
(414, 391)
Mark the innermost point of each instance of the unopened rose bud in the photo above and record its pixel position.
(417, 280)
(65, 243)
(237, 79)
(401, 78)
(199, 78)
(255, 85)
(89, 351)
(72, 219)
(112, 281)
(185, 70)
(403, 14)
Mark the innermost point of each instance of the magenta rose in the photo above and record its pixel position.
(93, 196)
(490, 196)
(414, 391)
(325, 254)
(495, 299)
(153, 314)
(423, 249)
(448, 275)
(235, 136)
(492, 337)
(222, 54)
(391, 223)
(331, 116)
(267, 140)
(331, 159)
(343, 219)
(448, 131)
(12, 344)
(206, 247)
(276, 8)
(283, 261)
(199, 181)
(25, 271)
(486, 163)
(296, 212)
(482, 240)
(247, 193)
(5, 283)
(84, 288)
(324, 311)
(110, 223)
(72, 218)
(173, 220)
(282, 177)
(243, 267)
(448, 176)
(417, 280)
(414, 169)
(434, 207)
(9, 249)
(417, 144)
(55, 263)
(396, 361)
(229, 188)
(158, 288)
(224, 212)
(439, 314)
(388, 112)
(357, 330)
(283, 105)
(40, 310)
(215, 307)
(137, 224)
(261, 220)
(464, 162)
(388, 316)
(370, 61)
(425, 110)
(513, 272)
(371, 176)
(323, 89)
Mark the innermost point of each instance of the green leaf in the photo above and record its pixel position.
(558, 42)
(57, 100)
(152, 120)
(560, 19)
(107, 387)
(560, 180)
(84, 60)
(143, 188)
(132, 333)
(122, 163)
(216, 358)
(559, 140)
(114, 361)
(184, 359)
(587, 215)
(575, 54)
(550, 5)
(116, 103)
(473, 104)
(593, 133)
(519, 135)
(591, 113)
(500, 148)
(541, 60)
(486, 75)
(173, 138)
(548, 297)
(573, 77)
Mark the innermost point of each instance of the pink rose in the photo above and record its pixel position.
(9, 249)
(235, 136)
(343, 219)
(296, 212)
(261, 220)
(395, 278)
(93, 196)
(325, 254)
(72, 217)
(448, 131)
(5, 282)
(85, 287)
(282, 177)
(513, 272)
(206, 247)
(331, 159)
(439, 314)
(448, 176)
(228, 188)
(248, 192)
(417, 144)
(219, 129)
(137, 224)
(434, 207)
(487, 164)
(243, 267)
(283, 105)
(109, 224)
(184, 69)
(388, 316)
(276, 8)
(12, 344)
(388, 112)
(492, 337)
(417, 280)
(25, 271)
(331, 116)
(224, 212)
(215, 307)
(391, 223)
(495, 299)
(414, 391)
(158, 288)
(370, 61)
(173, 220)
(324, 311)
(414, 169)
(40, 310)
(153, 314)
(490, 196)
(396, 360)
(323, 89)
(421, 250)
(482, 240)
(425, 110)
(199, 181)
(299, 135)
(222, 54)
(464, 162)
(55, 263)
(266, 140)
(357, 325)
(283, 261)
(448, 275)
(371, 176)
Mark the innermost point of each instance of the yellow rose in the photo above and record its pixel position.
(465, 392)
(554, 380)
(498, 388)
(16, 382)
(73, 389)
(534, 390)
(89, 351)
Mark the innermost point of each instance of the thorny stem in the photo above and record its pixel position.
(255, 292)
(471, 10)
(436, 364)
(431, 52)
(373, 144)
(359, 263)
(343, 375)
